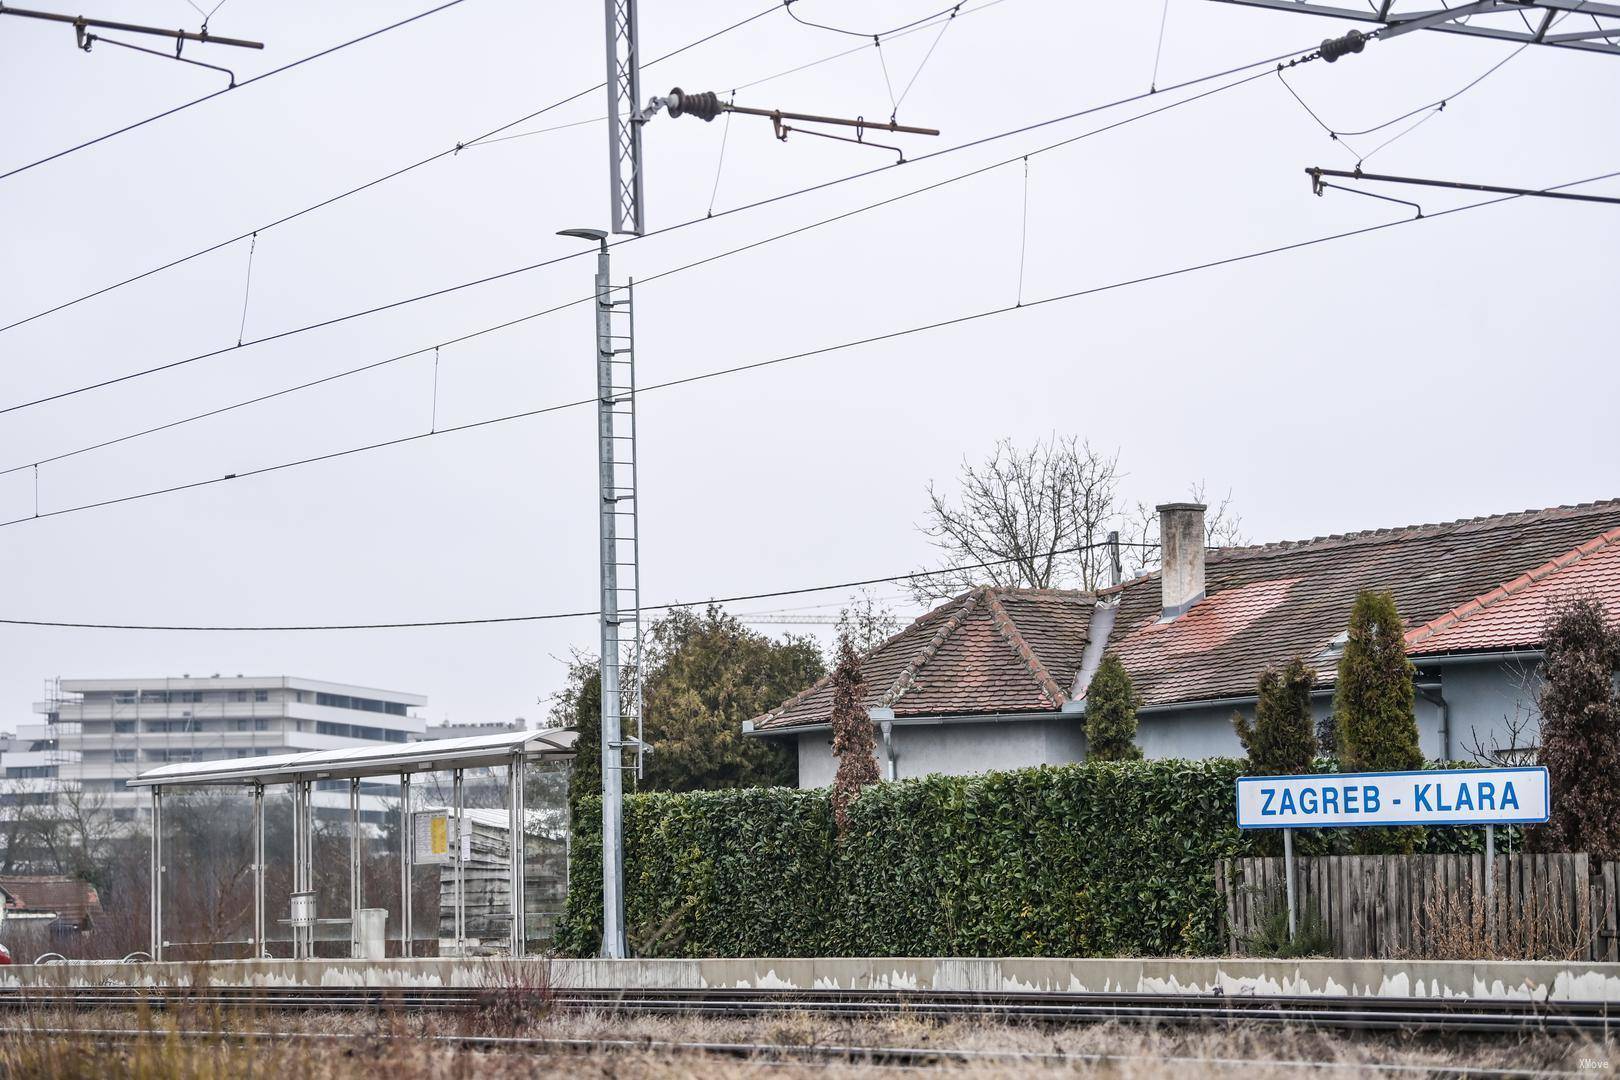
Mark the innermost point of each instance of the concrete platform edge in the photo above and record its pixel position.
(1497, 979)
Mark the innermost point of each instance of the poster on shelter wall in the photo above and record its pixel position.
(434, 833)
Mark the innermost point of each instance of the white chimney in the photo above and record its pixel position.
(1181, 550)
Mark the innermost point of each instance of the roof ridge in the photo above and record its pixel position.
(1475, 605)
(1394, 531)
(908, 674)
(1009, 631)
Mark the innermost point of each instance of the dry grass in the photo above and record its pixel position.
(1458, 926)
(401, 1046)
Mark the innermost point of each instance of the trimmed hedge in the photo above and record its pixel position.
(1092, 859)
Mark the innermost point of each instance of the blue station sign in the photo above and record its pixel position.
(1427, 797)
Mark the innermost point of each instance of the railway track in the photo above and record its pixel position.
(1344, 1013)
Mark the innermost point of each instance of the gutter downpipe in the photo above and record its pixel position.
(1433, 695)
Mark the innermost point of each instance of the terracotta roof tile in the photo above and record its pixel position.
(1269, 603)
(986, 651)
(1513, 614)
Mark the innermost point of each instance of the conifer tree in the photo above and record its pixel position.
(1111, 704)
(852, 742)
(1281, 741)
(1373, 706)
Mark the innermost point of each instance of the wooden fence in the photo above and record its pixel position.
(1432, 906)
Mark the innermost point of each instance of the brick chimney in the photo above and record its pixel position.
(1181, 549)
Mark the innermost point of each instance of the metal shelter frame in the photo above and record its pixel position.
(512, 749)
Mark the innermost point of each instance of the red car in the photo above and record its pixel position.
(5, 955)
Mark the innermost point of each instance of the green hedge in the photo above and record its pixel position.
(1093, 859)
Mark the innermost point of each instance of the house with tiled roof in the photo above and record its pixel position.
(996, 678)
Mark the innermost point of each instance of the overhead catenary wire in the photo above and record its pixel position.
(788, 7)
(234, 86)
(395, 174)
(749, 246)
(914, 575)
(1292, 57)
(805, 354)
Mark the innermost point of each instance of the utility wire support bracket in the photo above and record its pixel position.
(81, 24)
(1316, 173)
(1520, 21)
(706, 105)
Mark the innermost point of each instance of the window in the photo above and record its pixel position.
(343, 701)
(261, 695)
(124, 697)
(123, 755)
(123, 727)
(29, 772)
(240, 695)
(358, 731)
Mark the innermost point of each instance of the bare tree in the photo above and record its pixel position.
(1025, 518)
(1223, 527)
(865, 623)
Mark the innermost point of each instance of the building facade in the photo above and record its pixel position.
(997, 678)
(95, 734)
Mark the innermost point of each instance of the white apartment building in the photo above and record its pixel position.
(98, 733)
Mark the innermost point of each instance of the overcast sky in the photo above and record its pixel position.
(1443, 369)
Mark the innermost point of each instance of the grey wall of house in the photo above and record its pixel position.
(1487, 701)
(1207, 731)
(1484, 699)
(957, 749)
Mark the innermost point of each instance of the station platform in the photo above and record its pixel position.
(1505, 980)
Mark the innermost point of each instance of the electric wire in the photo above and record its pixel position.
(927, 56)
(805, 354)
(788, 7)
(449, 151)
(1293, 57)
(234, 86)
(915, 575)
(751, 245)
(1158, 50)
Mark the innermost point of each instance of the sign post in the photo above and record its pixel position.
(1288, 872)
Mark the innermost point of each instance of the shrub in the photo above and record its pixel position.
(1373, 705)
(1580, 731)
(1101, 858)
(1281, 741)
(852, 742)
(1111, 704)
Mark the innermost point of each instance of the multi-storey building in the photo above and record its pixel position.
(98, 733)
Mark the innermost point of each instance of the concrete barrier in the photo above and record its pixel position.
(1500, 979)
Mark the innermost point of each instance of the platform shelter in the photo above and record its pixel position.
(511, 750)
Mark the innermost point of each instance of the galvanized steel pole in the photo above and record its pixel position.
(515, 853)
(156, 901)
(407, 840)
(460, 894)
(613, 938)
(354, 866)
(258, 871)
(1288, 873)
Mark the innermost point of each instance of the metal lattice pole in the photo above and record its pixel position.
(624, 115)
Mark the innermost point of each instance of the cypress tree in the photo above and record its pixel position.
(1373, 706)
(1580, 731)
(852, 740)
(1111, 704)
(1281, 740)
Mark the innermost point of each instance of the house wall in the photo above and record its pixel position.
(956, 749)
(1482, 699)
(1487, 700)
